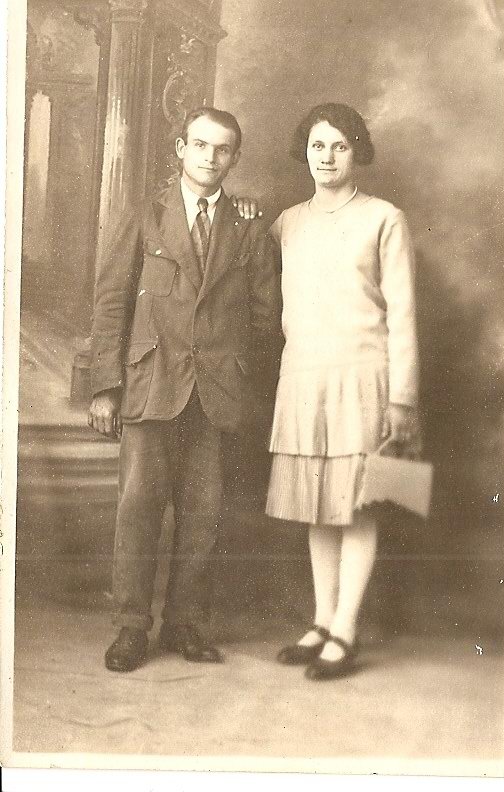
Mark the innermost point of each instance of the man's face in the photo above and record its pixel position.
(207, 156)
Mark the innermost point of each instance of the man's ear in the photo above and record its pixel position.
(236, 158)
(180, 147)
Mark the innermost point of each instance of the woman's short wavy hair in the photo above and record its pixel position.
(339, 116)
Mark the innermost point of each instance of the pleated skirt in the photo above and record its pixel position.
(315, 490)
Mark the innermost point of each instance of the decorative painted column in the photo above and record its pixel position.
(95, 15)
(125, 143)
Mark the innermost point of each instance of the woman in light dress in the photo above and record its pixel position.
(348, 376)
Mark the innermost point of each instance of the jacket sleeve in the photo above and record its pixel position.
(276, 229)
(118, 271)
(397, 263)
(266, 310)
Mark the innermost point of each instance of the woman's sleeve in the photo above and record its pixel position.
(397, 263)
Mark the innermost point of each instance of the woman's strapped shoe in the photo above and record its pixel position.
(331, 669)
(297, 654)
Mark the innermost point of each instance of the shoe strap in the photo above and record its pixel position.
(348, 649)
(321, 631)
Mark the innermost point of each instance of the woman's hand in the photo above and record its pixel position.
(247, 207)
(401, 426)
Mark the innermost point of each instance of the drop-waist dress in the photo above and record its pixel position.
(350, 350)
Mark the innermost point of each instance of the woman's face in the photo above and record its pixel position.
(330, 157)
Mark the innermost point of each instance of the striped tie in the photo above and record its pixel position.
(200, 232)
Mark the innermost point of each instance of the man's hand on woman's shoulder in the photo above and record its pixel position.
(248, 208)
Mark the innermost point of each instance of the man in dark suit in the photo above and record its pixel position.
(185, 347)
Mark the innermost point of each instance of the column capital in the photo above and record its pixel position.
(127, 10)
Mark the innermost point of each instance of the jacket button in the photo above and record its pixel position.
(195, 349)
(158, 252)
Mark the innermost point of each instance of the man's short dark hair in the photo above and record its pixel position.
(221, 117)
(341, 117)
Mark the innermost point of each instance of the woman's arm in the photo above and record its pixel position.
(397, 263)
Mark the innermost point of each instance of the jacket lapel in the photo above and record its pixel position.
(228, 230)
(171, 220)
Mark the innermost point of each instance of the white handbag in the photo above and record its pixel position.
(405, 482)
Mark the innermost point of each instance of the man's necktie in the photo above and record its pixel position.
(200, 232)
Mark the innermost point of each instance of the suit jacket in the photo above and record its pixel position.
(160, 326)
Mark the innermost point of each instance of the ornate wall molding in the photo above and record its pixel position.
(181, 71)
(182, 66)
(56, 41)
(128, 10)
(128, 5)
(191, 18)
(93, 15)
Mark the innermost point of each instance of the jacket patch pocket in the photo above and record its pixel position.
(159, 269)
(138, 350)
(139, 369)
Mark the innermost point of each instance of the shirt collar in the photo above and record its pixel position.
(191, 198)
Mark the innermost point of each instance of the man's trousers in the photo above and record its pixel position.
(178, 459)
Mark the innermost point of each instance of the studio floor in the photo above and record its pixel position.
(412, 697)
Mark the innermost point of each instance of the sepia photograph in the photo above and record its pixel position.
(253, 387)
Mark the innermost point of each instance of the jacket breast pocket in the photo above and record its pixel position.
(159, 270)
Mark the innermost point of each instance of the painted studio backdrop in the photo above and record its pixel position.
(107, 87)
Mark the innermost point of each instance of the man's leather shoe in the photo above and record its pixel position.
(186, 640)
(128, 651)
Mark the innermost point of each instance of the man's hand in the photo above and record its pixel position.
(247, 207)
(401, 426)
(104, 413)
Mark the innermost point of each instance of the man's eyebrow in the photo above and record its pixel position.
(206, 143)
